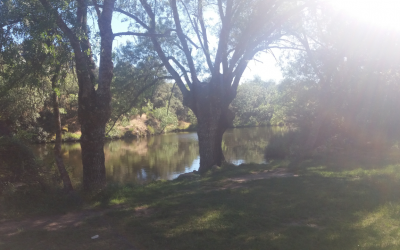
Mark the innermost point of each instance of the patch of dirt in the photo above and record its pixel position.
(301, 223)
(109, 231)
(266, 174)
(138, 124)
(51, 223)
(183, 125)
(143, 211)
(238, 182)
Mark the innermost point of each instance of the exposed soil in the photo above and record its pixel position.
(266, 174)
(51, 223)
(137, 125)
(238, 182)
(75, 220)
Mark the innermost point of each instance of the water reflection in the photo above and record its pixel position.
(164, 156)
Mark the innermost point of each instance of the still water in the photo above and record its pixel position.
(163, 156)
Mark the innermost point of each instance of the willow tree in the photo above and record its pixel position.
(209, 46)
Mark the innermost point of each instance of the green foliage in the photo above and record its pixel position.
(68, 136)
(136, 77)
(295, 102)
(168, 95)
(17, 163)
(254, 103)
(150, 129)
(166, 118)
(352, 84)
(24, 135)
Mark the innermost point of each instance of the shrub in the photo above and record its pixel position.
(71, 136)
(17, 163)
(150, 129)
(166, 119)
(24, 135)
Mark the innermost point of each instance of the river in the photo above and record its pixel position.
(162, 156)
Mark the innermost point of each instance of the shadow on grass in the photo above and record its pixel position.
(330, 206)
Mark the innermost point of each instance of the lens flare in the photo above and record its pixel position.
(384, 13)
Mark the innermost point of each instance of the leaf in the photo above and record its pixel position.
(57, 91)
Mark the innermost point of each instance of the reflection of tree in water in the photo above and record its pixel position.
(71, 155)
(161, 157)
(247, 144)
(146, 159)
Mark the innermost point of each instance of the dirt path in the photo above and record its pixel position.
(49, 223)
(266, 174)
(104, 232)
(238, 182)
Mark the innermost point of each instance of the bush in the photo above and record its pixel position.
(24, 135)
(17, 163)
(166, 119)
(71, 136)
(150, 129)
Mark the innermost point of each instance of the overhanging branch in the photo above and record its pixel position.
(129, 33)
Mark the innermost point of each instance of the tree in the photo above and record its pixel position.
(40, 55)
(137, 74)
(254, 103)
(93, 103)
(208, 77)
(343, 84)
(58, 75)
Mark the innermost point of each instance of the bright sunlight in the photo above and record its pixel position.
(384, 13)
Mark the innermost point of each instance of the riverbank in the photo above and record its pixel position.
(338, 202)
(128, 132)
(137, 127)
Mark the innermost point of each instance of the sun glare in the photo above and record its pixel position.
(384, 13)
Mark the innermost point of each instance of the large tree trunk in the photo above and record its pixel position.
(57, 147)
(93, 105)
(213, 119)
(92, 144)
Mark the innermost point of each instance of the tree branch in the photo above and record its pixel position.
(129, 15)
(129, 33)
(75, 43)
(221, 55)
(221, 11)
(163, 57)
(133, 102)
(205, 39)
(133, 17)
(182, 39)
(96, 7)
(184, 71)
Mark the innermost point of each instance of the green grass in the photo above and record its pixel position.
(335, 203)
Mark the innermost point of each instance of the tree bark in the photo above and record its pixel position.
(213, 119)
(93, 105)
(57, 147)
(93, 161)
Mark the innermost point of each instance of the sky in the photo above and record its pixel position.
(384, 13)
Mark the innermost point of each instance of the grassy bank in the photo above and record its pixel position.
(333, 203)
